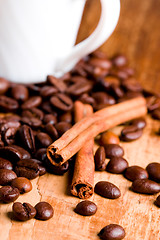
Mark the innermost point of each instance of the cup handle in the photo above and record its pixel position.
(110, 10)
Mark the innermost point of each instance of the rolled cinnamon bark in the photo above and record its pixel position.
(107, 118)
(83, 177)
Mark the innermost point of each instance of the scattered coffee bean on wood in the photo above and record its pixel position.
(86, 208)
(112, 232)
(23, 184)
(135, 172)
(107, 190)
(44, 211)
(145, 186)
(117, 165)
(108, 138)
(153, 170)
(99, 159)
(113, 150)
(23, 211)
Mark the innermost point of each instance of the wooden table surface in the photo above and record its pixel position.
(138, 36)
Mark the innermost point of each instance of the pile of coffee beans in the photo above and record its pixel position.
(34, 115)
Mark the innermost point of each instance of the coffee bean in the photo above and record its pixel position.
(43, 140)
(102, 99)
(14, 153)
(32, 102)
(33, 89)
(117, 165)
(20, 92)
(6, 176)
(79, 88)
(86, 208)
(62, 102)
(57, 170)
(50, 118)
(112, 232)
(33, 122)
(27, 138)
(153, 103)
(5, 164)
(135, 172)
(153, 170)
(66, 117)
(131, 84)
(8, 104)
(111, 81)
(22, 184)
(99, 159)
(8, 131)
(51, 130)
(117, 91)
(131, 133)
(23, 212)
(113, 150)
(102, 63)
(119, 61)
(57, 83)
(27, 168)
(8, 194)
(145, 186)
(140, 123)
(12, 118)
(33, 113)
(86, 99)
(107, 190)
(62, 127)
(47, 91)
(41, 167)
(158, 201)
(41, 154)
(4, 85)
(47, 108)
(108, 138)
(44, 211)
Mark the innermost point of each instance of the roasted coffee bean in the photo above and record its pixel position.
(112, 232)
(153, 170)
(108, 138)
(9, 124)
(23, 184)
(117, 165)
(102, 99)
(47, 91)
(156, 114)
(14, 153)
(99, 159)
(8, 104)
(62, 127)
(86, 208)
(111, 81)
(6, 176)
(32, 122)
(85, 98)
(117, 91)
(113, 150)
(132, 85)
(32, 102)
(131, 133)
(135, 172)
(43, 140)
(120, 73)
(50, 118)
(59, 85)
(12, 118)
(20, 92)
(33, 89)
(33, 113)
(102, 63)
(57, 170)
(44, 211)
(47, 107)
(27, 168)
(8, 194)
(129, 95)
(41, 154)
(107, 190)
(9, 136)
(153, 103)
(62, 102)
(79, 88)
(140, 123)
(4, 85)
(66, 117)
(158, 201)
(41, 167)
(119, 61)
(1, 142)
(145, 186)
(51, 130)
(27, 138)
(23, 212)
(5, 164)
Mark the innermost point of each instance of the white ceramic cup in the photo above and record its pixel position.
(37, 37)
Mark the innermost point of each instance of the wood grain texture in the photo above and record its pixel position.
(138, 36)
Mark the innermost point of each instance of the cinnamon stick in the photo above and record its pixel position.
(83, 177)
(99, 122)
